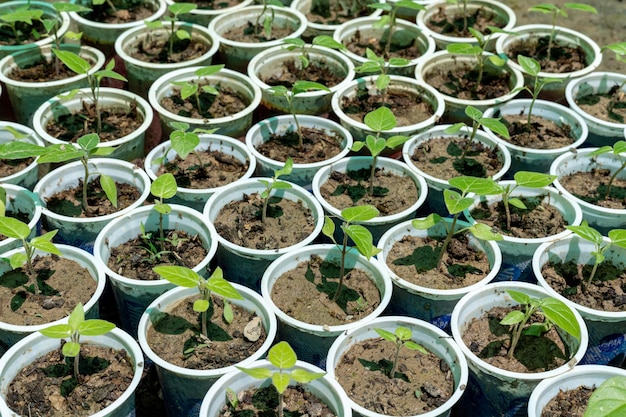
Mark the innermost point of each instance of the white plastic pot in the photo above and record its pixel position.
(500, 387)
(21, 200)
(132, 296)
(184, 389)
(30, 175)
(312, 341)
(301, 174)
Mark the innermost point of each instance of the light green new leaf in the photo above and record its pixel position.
(385, 334)
(586, 232)
(200, 306)
(14, 228)
(95, 327)
(530, 65)
(561, 315)
(304, 377)
(228, 312)
(258, 373)
(618, 237)
(77, 316)
(188, 90)
(380, 120)
(533, 179)
(163, 208)
(619, 147)
(403, 333)
(103, 150)
(520, 297)
(184, 142)
(164, 186)
(285, 170)
(426, 222)
(362, 238)
(495, 126)
(516, 202)
(74, 62)
(280, 381)
(473, 113)
(328, 229)
(178, 275)
(395, 141)
(44, 243)
(109, 187)
(71, 349)
(382, 82)
(484, 232)
(359, 213)
(609, 399)
(17, 260)
(415, 346)
(58, 331)
(454, 128)
(282, 356)
(398, 62)
(463, 49)
(375, 145)
(183, 34)
(454, 202)
(328, 42)
(181, 8)
(223, 288)
(513, 317)
(89, 141)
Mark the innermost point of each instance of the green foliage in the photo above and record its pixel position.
(76, 327)
(274, 184)
(268, 18)
(555, 312)
(175, 10)
(378, 65)
(162, 188)
(18, 148)
(388, 18)
(305, 48)
(86, 148)
(618, 150)
(193, 88)
(609, 399)
(400, 337)
(188, 278)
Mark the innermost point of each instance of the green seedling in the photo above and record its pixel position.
(274, 184)
(361, 237)
(620, 55)
(81, 66)
(304, 48)
(16, 229)
(192, 88)
(268, 19)
(388, 19)
(617, 237)
(298, 87)
(532, 67)
(15, 21)
(86, 148)
(175, 10)
(188, 278)
(609, 399)
(556, 11)
(478, 121)
(478, 51)
(283, 357)
(18, 148)
(379, 120)
(377, 64)
(463, 6)
(51, 26)
(162, 188)
(618, 149)
(456, 203)
(185, 142)
(555, 312)
(401, 337)
(76, 327)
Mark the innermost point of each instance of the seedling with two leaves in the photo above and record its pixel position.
(193, 88)
(304, 48)
(184, 143)
(274, 184)
(378, 65)
(175, 10)
(388, 19)
(268, 18)
(401, 337)
(162, 188)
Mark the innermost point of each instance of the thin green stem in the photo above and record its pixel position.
(392, 26)
(342, 269)
(517, 333)
(591, 276)
(372, 175)
(85, 203)
(447, 241)
(392, 372)
(29, 264)
(608, 188)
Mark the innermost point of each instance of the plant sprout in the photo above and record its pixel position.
(555, 312)
(609, 399)
(162, 188)
(618, 150)
(620, 55)
(185, 277)
(304, 48)
(556, 11)
(617, 237)
(389, 18)
(76, 327)
(22, 14)
(189, 89)
(283, 357)
(377, 64)
(361, 237)
(401, 337)
(269, 19)
(184, 142)
(274, 184)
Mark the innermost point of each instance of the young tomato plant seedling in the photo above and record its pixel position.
(377, 65)
(189, 89)
(162, 188)
(274, 184)
(617, 237)
(76, 327)
(361, 237)
(609, 399)
(618, 149)
(86, 148)
(283, 357)
(401, 337)
(175, 9)
(388, 19)
(554, 311)
(185, 277)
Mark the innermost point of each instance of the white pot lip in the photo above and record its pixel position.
(160, 11)
(432, 7)
(578, 214)
(164, 81)
(134, 351)
(444, 54)
(537, 30)
(365, 23)
(139, 212)
(72, 253)
(550, 106)
(437, 97)
(444, 338)
(182, 292)
(297, 5)
(241, 14)
(593, 314)
(319, 249)
(142, 104)
(439, 131)
(486, 293)
(279, 52)
(572, 88)
(55, 175)
(420, 183)
(568, 156)
(389, 238)
(8, 63)
(16, 190)
(305, 121)
(253, 185)
(135, 31)
(214, 12)
(204, 138)
(32, 135)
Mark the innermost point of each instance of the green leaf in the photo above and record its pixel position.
(183, 34)
(530, 65)
(375, 145)
(380, 120)
(473, 113)
(228, 312)
(71, 349)
(454, 128)
(258, 373)
(103, 150)
(281, 382)
(164, 186)
(516, 202)
(14, 228)
(513, 317)
(382, 82)
(73, 61)
(385, 334)
(619, 147)
(328, 42)
(89, 141)
(17, 260)
(482, 231)
(580, 7)
(208, 70)
(561, 315)
(305, 86)
(403, 333)
(110, 188)
(395, 141)
(304, 377)
(618, 237)
(362, 238)
(95, 327)
(329, 227)
(181, 8)
(44, 243)
(223, 288)
(587, 232)
(454, 202)
(188, 90)
(495, 126)
(478, 186)
(201, 305)
(609, 399)
(414, 346)
(57, 331)
(533, 179)
(464, 49)
(77, 316)
(359, 213)
(282, 356)
(426, 222)
(520, 297)
(285, 170)
(178, 275)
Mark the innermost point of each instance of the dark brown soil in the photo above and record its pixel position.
(68, 202)
(562, 58)
(539, 220)
(402, 45)
(610, 107)
(460, 81)
(430, 382)
(392, 193)
(414, 259)
(570, 403)
(489, 340)
(213, 169)
(217, 4)
(157, 50)
(453, 24)
(249, 34)
(226, 103)
(116, 123)
(441, 158)
(13, 166)
(331, 12)
(306, 293)
(592, 187)
(317, 146)
(35, 392)
(42, 71)
(291, 71)
(59, 295)
(607, 291)
(543, 133)
(129, 11)
(135, 258)
(240, 222)
(178, 329)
